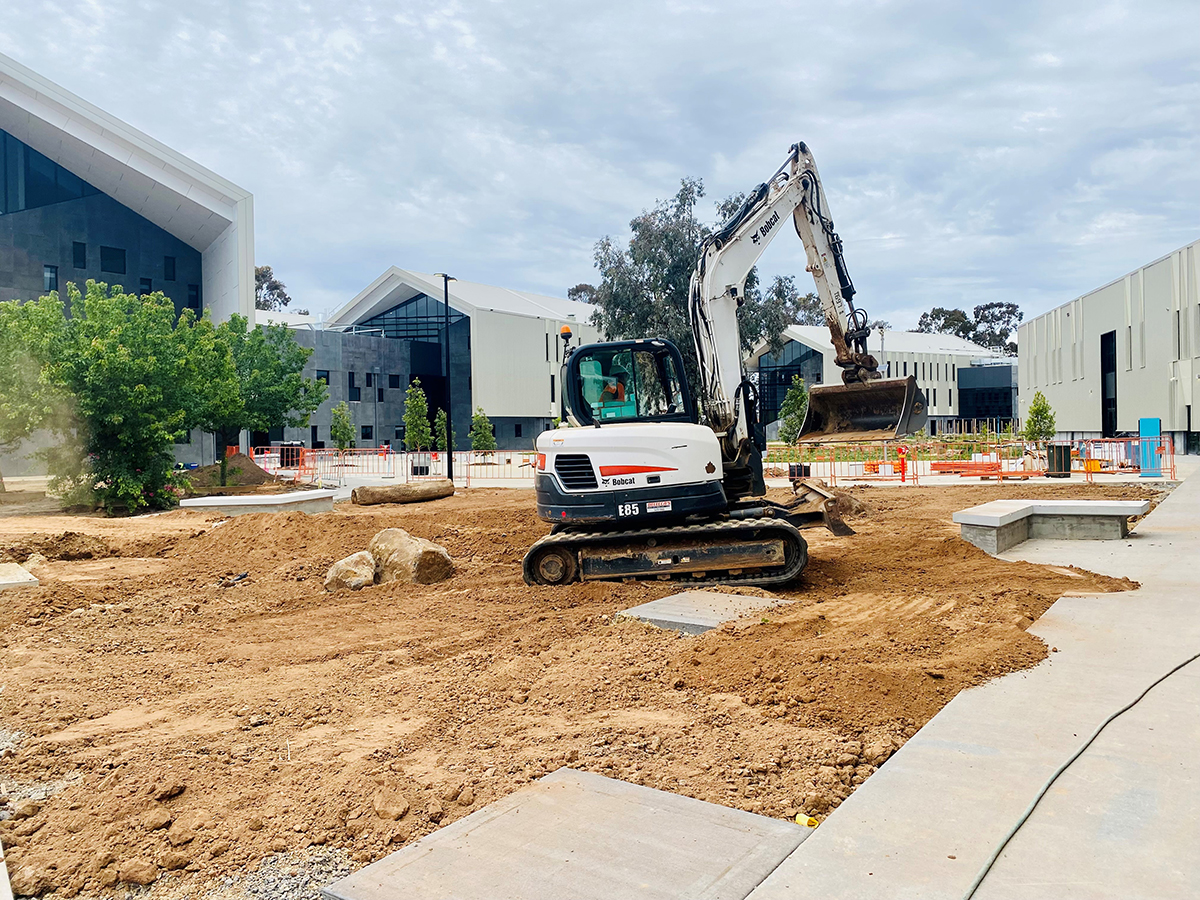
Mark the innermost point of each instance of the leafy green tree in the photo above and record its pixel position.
(271, 392)
(439, 429)
(269, 291)
(791, 414)
(417, 434)
(643, 290)
(341, 427)
(28, 332)
(1039, 422)
(128, 365)
(482, 438)
(991, 325)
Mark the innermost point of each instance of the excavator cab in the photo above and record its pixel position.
(628, 381)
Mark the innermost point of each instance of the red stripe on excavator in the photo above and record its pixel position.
(634, 470)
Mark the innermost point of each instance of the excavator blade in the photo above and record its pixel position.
(874, 411)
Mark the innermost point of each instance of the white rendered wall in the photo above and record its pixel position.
(228, 268)
(1155, 312)
(510, 372)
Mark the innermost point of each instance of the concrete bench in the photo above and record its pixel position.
(1001, 524)
(242, 504)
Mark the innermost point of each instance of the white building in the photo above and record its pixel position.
(1125, 351)
(505, 347)
(935, 360)
(85, 195)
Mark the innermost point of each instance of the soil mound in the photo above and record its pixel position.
(68, 545)
(240, 470)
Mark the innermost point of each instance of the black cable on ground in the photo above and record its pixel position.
(987, 866)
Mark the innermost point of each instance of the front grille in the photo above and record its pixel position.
(575, 471)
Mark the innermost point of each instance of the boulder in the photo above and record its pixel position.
(389, 804)
(137, 871)
(414, 492)
(354, 572)
(401, 557)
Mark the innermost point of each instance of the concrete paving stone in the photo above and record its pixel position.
(242, 504)
(582, 836)
(1120, 822)
(695, 612)
(13, 576)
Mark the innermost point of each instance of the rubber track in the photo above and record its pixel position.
(579, 539)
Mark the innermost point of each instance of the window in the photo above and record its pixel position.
(551, 388)
(627, 383)
(368, 379)
(379, 394)
(49, 278)
(169, 268)
(906, 369)
(112, 259)
(323, 375)
(193, 300)
(355, 391)
(394, 382)
(934, 397)
(399, 434)
(79, 254)
(950, 398)
(312, 435)
(368, 432)
(146, 286)
(547, 346)
(517, 430)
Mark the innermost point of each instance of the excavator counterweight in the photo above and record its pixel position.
(880, 409)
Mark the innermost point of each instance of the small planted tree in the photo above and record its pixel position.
(1039, 423)
(439, 431)
(417, 433)
(482, 438)
(791, 414)
(341, 428)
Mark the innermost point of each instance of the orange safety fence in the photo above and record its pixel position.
(1151, 457)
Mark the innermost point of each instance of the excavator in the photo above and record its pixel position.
(648, 482)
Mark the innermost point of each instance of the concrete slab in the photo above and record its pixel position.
(695, 612)
(581, 836)
(1120, 822)
(243, 504)
(1002, 512)
(13, 576)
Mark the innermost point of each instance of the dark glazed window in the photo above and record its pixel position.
(50, 278)
(169, 268)
(394, 381)
(112, 259)
(323, 375)
(355, 391)
(517, 430)
(369, 382)
(379, 394)
(193, 300)
(368, 432)
(146, 286)
(79, 254)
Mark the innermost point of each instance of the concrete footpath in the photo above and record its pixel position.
(1123, 821)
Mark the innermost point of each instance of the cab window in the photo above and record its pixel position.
(630, 383)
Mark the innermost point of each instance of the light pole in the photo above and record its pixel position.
(446, 279)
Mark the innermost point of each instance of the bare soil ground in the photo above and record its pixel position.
(188, 726)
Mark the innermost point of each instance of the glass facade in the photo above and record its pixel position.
(29, 180)
(775, 371)
(421, 318)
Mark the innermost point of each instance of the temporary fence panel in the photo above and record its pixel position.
(1147, 457)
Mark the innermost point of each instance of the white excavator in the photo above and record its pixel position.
(647, 483)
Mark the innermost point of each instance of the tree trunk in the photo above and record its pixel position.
(415, 492)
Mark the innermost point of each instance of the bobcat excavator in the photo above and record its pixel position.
(640, 488)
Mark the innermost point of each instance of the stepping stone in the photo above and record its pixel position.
(582, 836)
(13, 576)
(695, 612)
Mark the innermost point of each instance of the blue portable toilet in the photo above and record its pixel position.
(1149, 447)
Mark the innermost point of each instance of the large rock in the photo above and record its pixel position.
(354, 572)
(414, 492)
(401, 557)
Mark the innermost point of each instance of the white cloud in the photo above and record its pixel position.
(970, 153)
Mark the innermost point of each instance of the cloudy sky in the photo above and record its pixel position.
(970, 151)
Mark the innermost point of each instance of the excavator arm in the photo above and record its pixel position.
(867, 404)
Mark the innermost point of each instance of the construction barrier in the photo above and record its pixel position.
(1150, 457)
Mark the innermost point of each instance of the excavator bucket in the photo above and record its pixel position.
(876, 410)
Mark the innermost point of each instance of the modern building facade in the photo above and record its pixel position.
(505, 356)
(938, 361)
(85, 195)
(1125, 351)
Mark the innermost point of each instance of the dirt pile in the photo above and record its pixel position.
(193, 723)
(68, 545)
(240, 470)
